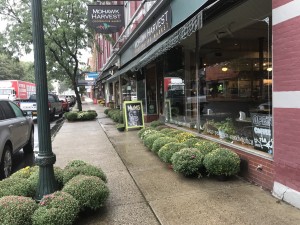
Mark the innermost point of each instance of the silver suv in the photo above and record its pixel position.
(16, 132)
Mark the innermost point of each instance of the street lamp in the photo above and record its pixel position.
(45, 158)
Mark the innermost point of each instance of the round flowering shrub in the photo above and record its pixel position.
(141, 132)
(91, 192)
(174, 133)
(86, 115)
(15, 186)
(160, 142)
(160, 127)
(88, 170)
(149, 140)
(206, 147)
(81, 115)
(106, 111)
(156, 123)
(25, 172)
(16, 210)
(34, 179)
(183, 136)
(71, 116)
(166, 130)
(76, 163)
(167, 151)
(187, 161)
(147, 133)
(191, 142)
(59, 207)
(222, 161)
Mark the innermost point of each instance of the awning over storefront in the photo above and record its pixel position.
(191, 26)
(187, 29)
(130, 66)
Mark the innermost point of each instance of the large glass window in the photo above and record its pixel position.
(238, 80)
(231, 98)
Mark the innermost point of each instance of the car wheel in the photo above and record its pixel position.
(28, 148)
(6, 162)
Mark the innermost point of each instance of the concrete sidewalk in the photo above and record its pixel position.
(145, 191)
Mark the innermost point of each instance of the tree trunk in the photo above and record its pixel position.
(78, 99)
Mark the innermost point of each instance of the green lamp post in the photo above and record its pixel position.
(45, 158)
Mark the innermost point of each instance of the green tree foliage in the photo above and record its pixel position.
(65, 31)
(10, 69)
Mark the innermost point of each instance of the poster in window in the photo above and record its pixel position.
(262, 132)
(133, 113)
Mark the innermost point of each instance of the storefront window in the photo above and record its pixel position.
(231, 98)
(141, 83)
(238, 80)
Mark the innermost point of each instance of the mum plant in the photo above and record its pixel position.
(15, 186)
(206, 146)
(81, 115)
(167, 130)
(160, 142)
(222, 161)
(91, 192)
(167, 151)
(16, 210)
(59, 207)
(85, 169)
(149, 140)
(148, 133)
(156, 123)
(187, 161)
(183, 136)
(191, 142)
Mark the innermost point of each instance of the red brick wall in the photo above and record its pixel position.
(287, 147)
(286, 54)
(286, 78)
(249, 169)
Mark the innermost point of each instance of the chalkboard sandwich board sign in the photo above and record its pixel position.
(262, 132)
(133, 114)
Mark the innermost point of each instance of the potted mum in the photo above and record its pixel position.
(222, 163)
(121, 127)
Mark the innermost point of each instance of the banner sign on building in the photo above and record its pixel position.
(85, 82)
(92, 74)
(262, 132)
(160, 26)
(106, 19)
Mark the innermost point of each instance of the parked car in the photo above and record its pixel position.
(16, 132)
(65, 103)
(30, 106)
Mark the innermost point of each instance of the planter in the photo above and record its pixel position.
(121, 129)
(222, 177)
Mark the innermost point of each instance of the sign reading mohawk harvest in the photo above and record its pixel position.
(106, 19)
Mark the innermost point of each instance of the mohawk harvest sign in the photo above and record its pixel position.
(106, 19)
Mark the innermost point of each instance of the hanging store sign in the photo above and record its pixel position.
(160, 26)
(106, 19)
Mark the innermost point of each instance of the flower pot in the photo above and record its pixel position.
(121, 129)
(222, 177)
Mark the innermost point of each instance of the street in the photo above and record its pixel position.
(21, 160)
